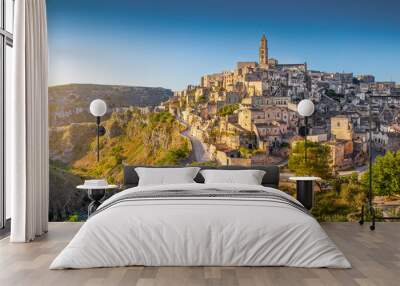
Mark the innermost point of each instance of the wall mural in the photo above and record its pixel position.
(188, 85)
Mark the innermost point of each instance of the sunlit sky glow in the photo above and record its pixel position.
(172, 43)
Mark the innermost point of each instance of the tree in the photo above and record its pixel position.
(342, 202)
(352, 191)
(228, 109)
(385, 175)
(318, 160)
(247, 152)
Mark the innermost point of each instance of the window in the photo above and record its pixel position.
(6, 43)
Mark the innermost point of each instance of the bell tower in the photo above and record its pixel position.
(263, 52)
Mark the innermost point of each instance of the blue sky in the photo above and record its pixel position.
(172, 43)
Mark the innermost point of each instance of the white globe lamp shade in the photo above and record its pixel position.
(98, 107)
(305, 107)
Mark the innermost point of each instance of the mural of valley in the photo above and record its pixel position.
(218, 83)
(247, 116)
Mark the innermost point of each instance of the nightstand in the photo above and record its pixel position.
(96, 195)
(304, 190)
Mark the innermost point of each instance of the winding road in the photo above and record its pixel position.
(199, 151)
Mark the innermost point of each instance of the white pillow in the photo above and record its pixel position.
(166, 176)
(248, 177)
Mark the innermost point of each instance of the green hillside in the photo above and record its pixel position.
(131, 138)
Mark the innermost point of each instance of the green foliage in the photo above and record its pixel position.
(342, 201)
(175, 156)
(318, 160)
(73, 218)
(329, 204)
(247, 152)
(352, 191)
(117, 152)
(205, 163)
(228, 109)
(385, 175)
(161, 117)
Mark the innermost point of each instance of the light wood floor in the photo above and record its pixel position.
(375, 257)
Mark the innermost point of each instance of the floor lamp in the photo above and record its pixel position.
(305, 108)
(98, 108)
(304, 184)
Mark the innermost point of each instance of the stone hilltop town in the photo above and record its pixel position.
(248, 116)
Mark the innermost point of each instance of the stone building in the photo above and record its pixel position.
(248, 116)
(341, 128)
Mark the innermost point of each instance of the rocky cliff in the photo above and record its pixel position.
(70, 103)
(132, 137)
(71, 142)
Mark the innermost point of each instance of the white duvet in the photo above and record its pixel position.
(200, 231)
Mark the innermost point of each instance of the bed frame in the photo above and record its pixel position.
(271, 177)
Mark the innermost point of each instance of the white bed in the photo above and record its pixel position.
(202, 231)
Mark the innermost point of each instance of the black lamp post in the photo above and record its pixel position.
(98, 108)
(369, 196)
(372, 210)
